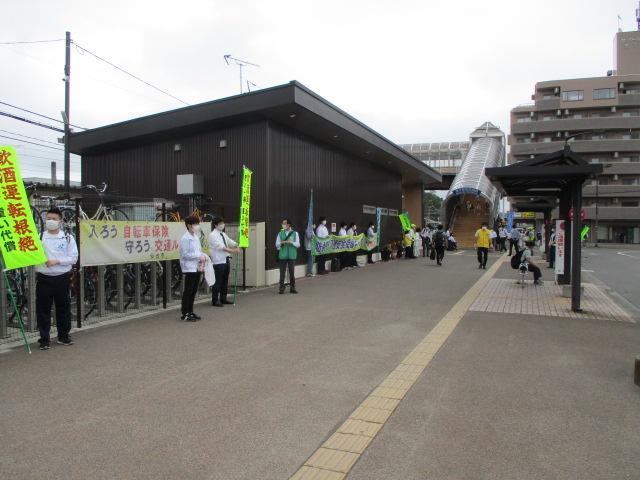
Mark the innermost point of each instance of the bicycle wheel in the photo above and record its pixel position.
(69, 221)
(18, 297)
(116, 215)
(170, 217)
(90, 294)
(37, 219)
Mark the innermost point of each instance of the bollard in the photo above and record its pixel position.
(636, 376)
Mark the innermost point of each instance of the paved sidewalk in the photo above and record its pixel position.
(384, 372)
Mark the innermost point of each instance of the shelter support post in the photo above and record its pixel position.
(576, 249)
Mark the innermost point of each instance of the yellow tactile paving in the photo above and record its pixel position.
(337, 455)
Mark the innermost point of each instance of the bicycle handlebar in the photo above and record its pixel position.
(101, 189)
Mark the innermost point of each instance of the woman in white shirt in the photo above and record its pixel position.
(192, 264)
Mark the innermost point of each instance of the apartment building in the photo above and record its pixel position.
(600, 118)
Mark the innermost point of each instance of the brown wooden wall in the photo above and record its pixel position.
(286, 166)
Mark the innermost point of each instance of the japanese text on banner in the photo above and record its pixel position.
(348, 243)
(19, 240)
(243, 240)
(105, 243)
(404, 219)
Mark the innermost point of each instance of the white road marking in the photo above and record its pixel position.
(627, 254)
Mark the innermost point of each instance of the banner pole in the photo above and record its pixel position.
(15, 307)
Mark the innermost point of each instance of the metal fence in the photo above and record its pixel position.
(106, 292)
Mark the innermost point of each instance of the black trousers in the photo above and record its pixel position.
(408, 252)
(552, 256)
(483, 255)
(536, 271)
(284, 264)
(50, 289)
(425, 247)
(513, 243)
(439, 254)
(321, 260)
(219, 289)
(191, 282)
(503, 246)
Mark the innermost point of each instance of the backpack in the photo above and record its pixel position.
(516, 260)
(439, 239)
(335, 264)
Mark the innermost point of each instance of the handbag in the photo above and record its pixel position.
(209, 273)
(432, 255)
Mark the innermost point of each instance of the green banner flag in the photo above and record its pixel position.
(348, 243)
(584, 232)
(243, 239)
(404, 219)
(19, 240)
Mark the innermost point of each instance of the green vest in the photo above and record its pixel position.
(287, 252)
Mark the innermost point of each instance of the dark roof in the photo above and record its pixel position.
(292, 105)
(544, 176)
(537, 205)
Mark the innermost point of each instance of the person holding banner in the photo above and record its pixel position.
(54, 282)
(371, 235)
(308, 239)
(191, 263)
(221, 247)
(352, 257)
(322, 232)
(287, 242)
(344, 257)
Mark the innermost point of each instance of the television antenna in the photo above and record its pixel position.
(240, 63)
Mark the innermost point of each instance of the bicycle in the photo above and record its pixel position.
(173, 214)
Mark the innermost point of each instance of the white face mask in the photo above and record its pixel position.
(220, 226)
(285, 227)
(52, 224)
(324, 223)
(484, 228)
(196, 228)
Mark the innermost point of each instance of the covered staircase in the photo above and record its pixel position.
(467, 222)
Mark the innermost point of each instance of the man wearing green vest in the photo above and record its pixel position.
(286, 243)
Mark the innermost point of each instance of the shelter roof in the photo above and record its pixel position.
(292, 105)
(543, 176)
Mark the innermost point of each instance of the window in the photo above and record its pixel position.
(524, 140)
(630, 136)
(385, 211)
(630, 181)
(631, 114)
(604, 93)
(549, 117)
(546, 140)
(369, 209)
(599, 160)
(632, 90)
(393, 212)
(598, 115)
(600, 182)
(602, 136)
(523, 119)
(549, 97)
(577, 115)
(573, 95)
(630, 159)
(598, 204)
(629, 204)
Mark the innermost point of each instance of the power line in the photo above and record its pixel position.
(33, 143)
(35, 41)
(130, 74)
(33, 122)
(26, 136)
(38, 114)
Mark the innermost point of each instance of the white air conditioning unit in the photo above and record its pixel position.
(531, 114)
(559, 112)
(615, 199)
(556, 90)
(566, 111)
(615, 177)
(613, 109)
(532, 156)
(558, 134)
(616, 154)
(621, 85)
(566, 134)
(533, 135)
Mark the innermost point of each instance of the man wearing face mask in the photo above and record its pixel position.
(322, 232)
(286, 242)
(53, 281)
(191, 263)
(220, 248)
(484, 240)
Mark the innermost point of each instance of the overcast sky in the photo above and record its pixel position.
(414, 71)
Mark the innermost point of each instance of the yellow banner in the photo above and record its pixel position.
(243, 239)
(105, 243)
(528, 214)
(19, 240)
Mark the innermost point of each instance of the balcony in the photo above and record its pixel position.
(629, 100)
(628, 214)
(575, 125)
(610, 191)
(580, 147)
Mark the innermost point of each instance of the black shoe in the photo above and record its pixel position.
(65, 341)
(281, 291)
(226, 302)
(197, 317)
(479, 266)
(45, 345)
(184, 316)
(217, 304)
(484, 267)
(190, 317)
(293, 290)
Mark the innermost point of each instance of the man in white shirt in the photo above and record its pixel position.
(426, 240)
(322, 232)
(371, 235)
(344, 257)
(352, 257)
(514, 240)
(531, 265)
(220, 249)
(54, 282)
(191, 263)
(502, 238)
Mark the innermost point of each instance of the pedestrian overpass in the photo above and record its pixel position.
(472, 198)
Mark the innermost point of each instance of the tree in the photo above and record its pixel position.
(432, 206)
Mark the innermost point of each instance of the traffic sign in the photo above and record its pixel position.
(582, 214)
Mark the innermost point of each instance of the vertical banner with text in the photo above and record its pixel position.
(19, 240)
(243, 240)
(406, 223)
(378, 215)
(562, 230)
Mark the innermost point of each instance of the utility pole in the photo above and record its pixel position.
(65, 116)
